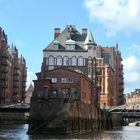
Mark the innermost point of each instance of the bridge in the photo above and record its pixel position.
(20, 112)
(14, 113)
(15, 107)
(131, 110)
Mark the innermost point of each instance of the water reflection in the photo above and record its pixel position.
(18, 132)
(126, 133)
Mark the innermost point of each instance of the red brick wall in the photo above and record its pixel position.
(81, 83)
(85, 90)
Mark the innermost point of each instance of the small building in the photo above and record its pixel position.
(63, 102)
(63, 83)
(28, 94)
(133, 97)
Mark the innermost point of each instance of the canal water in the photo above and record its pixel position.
(18, 132)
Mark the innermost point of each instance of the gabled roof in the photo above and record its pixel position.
(30, 88)
(66, 35)
(63, 68)
(89, 39)
(71, 35)
(68, 70)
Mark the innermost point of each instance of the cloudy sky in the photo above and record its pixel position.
(29, 25)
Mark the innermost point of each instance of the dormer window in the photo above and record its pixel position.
(70, 47)
(70, 44)
(56, 44)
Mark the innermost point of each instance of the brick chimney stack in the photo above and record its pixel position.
(84, 32)
(56, 32)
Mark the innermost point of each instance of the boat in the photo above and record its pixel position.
(137, 123)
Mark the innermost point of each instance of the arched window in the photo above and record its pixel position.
(73, 61)
(59, 60)
(89, 60)
(80, 61)
(51, 60)
(65, 61)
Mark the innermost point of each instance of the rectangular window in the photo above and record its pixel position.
(63, 80)
(89, 69)
(101, 63)
(54, 80)
(70, 46)
(65, 90)
(67, 80)
(70, 80)
(66, 94)
(48, 78)
(47, 62)
(99, 72)
(54, 93)
(56, 46)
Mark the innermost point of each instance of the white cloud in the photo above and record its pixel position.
(131, 73)
(131, 63)
(30, 77)
(115, 15)
(120, 16)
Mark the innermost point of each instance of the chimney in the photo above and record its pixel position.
(56, 32)
(84, 31)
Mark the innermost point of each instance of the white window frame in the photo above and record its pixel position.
(74, 61)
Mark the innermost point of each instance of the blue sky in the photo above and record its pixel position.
(29, 25)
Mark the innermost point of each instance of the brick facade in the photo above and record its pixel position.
(12, 72)
(78, 52)
(133, 97)
(63, 83)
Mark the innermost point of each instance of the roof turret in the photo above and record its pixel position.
(89, 39)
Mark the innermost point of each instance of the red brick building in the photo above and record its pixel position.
(79, 52)
(133, 97)
(63, 83)
(110, 77)
(29, 93)
(12, 72)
